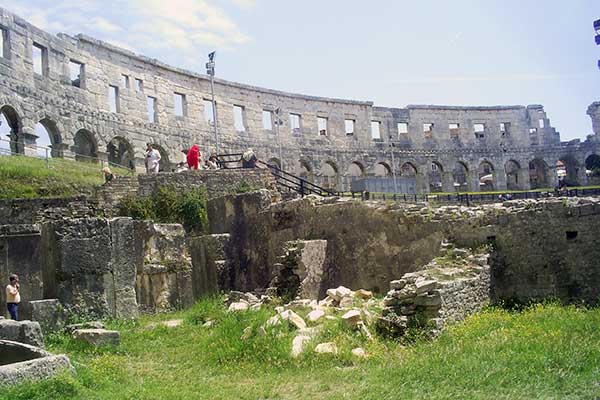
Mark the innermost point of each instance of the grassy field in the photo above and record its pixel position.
(27, 177)
(543, 352)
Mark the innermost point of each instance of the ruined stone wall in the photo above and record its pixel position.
(216, 182)
(32, 211)
(535, 254)
(79, 119)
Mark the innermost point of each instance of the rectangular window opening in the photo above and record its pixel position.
(113, 98)
(179, 104)
(571, 235)
(322, 126)
(139, 85)
(76, 73)
(349, 127)
(238, 118)
(402, 128)
(40, 59)
(125, 81)
(454, 130)
(151, 108)
(505, 128)
(295, 123)
(479, 130)
(208, 112)
(375, 130)
(428, 130)
(4, 46)
(267, 120)
(541, 123)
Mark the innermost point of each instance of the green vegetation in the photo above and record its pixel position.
(169, 205)
(543, 352)
(27, 177)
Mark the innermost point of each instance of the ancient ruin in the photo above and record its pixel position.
(98, 100)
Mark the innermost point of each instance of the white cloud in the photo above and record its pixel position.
(188, 27)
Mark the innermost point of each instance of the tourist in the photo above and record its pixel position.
(249, 159)
(152, 160)
(181, 167)
(213, 161)
(13, 297)
(108, 175)
(193, 157)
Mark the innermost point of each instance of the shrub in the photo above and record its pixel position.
(167, 205)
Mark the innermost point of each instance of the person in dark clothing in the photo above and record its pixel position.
(249, 159)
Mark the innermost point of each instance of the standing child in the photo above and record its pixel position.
(13, 297)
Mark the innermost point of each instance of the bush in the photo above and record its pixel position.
(167, 205)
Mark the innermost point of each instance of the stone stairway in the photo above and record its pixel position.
(110, 194)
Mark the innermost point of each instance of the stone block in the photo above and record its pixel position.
(97, 337)
(49, 313)
(326, 348)
(28, 332)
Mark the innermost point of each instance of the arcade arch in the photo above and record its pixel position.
(119, 151)
(486, 176)
(539, 174)
(512, 169)
(85, 148)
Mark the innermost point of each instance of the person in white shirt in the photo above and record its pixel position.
(152, 160)
(13, 296)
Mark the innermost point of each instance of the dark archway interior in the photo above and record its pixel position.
(85, 148)
(119, 152)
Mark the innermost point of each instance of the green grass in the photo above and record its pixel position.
(27, 177)
(543, 352)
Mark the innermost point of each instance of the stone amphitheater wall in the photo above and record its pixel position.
(79, 119)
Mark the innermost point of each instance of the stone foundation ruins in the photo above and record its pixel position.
(93, 99)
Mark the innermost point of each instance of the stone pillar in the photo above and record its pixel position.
(60, 150)
(582, 177)
(28, 140)
(103, 157)
(422, 183)
(524, 182)
(448, 182)
(473, 181)
(499, 179)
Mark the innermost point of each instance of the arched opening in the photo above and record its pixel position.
(48, 138)
(85, 146)
(435, 177)
(567, 169)
(355, 171)
(120, 152)
(592, 169)
(512, 169)
(305, 171)
(408, 170)
(10, 127)
(486, 176)
(382, 170)
(538, 174)
(329, 175)
(459, 175)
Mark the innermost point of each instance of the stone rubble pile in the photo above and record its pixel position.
(448, 289)
(354, 308)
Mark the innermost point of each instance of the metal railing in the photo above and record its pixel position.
(45, 153)
(283, 178)
(474, 198)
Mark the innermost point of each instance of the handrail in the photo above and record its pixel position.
(48, 151)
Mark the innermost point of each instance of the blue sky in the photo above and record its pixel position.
(459, 52)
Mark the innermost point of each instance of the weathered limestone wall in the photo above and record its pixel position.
(164, 276)
(21, 251)
(445, 291)
(216, 182)
(535, 254)
(32, 211)
(79, 119)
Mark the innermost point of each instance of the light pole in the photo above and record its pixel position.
(393, 164)
(278, 122)
(210, 70)
(597, 29)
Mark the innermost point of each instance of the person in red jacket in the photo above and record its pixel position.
(193, 157)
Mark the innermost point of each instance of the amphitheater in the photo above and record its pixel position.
(94, 99)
